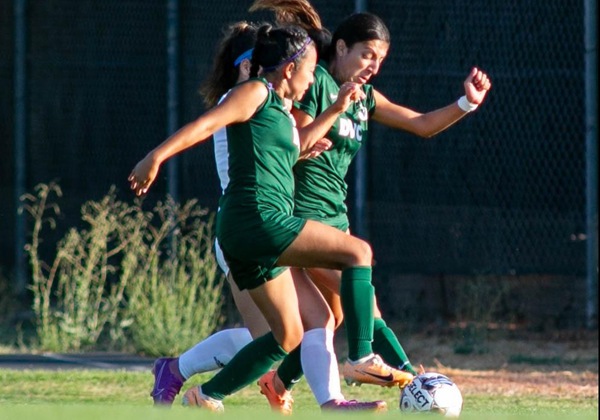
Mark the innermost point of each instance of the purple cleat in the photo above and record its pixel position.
(166, 383)
(353, 405)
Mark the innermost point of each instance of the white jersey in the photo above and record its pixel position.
(222, 153)
(222, 161)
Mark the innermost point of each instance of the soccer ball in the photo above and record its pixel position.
(432, 392)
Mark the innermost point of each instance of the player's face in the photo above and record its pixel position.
(304, 74)
(360, 62)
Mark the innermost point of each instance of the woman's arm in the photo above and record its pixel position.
(316, 129)
(429, 124)
(238, 106)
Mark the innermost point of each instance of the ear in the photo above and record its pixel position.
(245, 66)
(340, 47)
(288, 69)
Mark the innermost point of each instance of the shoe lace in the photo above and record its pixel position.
(378, 361)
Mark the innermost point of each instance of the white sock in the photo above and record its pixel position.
(320, 365)
(213, 352)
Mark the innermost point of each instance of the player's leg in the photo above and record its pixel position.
(385, 342)
(314, 315)
(252, 318)
(290, 371)
(213, 352)
(251, 315)
(277, 386)
(328, 283)
(320, 245)
(319, 361)
(317, 358)
(387, 345)
(216, 351)
(277, 301)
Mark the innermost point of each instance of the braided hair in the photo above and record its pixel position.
(278, 46)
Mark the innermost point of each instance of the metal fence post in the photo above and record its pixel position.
(361, 171)
(591, 133)
(20, 139)
(173, 23)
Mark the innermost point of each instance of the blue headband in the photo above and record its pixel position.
(292, 58)
(242, 57)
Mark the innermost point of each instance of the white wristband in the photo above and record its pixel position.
(465, 105)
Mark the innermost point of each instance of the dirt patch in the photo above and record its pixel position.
(560, 384)
(552, 365)
(561, 364)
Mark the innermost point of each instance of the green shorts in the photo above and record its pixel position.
(253, 247)
(339, 222)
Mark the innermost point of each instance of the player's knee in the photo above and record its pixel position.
(362, 254)
(328, 321)
(338, 318)
(292, 338)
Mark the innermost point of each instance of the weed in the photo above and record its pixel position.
(145, 282)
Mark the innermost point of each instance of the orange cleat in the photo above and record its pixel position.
(281, 403)
(194, 397)
(374, 371)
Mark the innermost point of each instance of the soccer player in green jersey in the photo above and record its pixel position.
(232, 66)
(358, 48)
(258, 233)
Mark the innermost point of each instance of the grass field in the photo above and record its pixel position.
(116, 395)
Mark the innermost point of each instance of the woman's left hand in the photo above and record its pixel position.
(477, 85)
(319, 147)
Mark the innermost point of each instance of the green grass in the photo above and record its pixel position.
(116, 395)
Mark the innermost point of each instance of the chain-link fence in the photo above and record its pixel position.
(504, 190)
(500, 193)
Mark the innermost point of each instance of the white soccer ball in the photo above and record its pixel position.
(432, 392)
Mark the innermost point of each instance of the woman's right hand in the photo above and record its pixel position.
(143, 175)
(349, 92)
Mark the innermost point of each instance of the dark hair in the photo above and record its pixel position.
(277, 46)
(300, 13)
(238, 38)
(322, 38)
(360, 27)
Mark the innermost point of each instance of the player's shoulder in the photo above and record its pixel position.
(321, 71)
(253, 89)
(321, 68)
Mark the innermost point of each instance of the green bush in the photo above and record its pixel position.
(174, 300)
(128, 276)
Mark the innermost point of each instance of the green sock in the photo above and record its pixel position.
(386, 344)
(357, 294)
(290, 369)
(249, 364)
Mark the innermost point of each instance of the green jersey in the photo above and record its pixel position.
(261, 152)
(320, 186)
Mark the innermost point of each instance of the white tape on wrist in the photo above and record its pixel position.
(465, 105)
